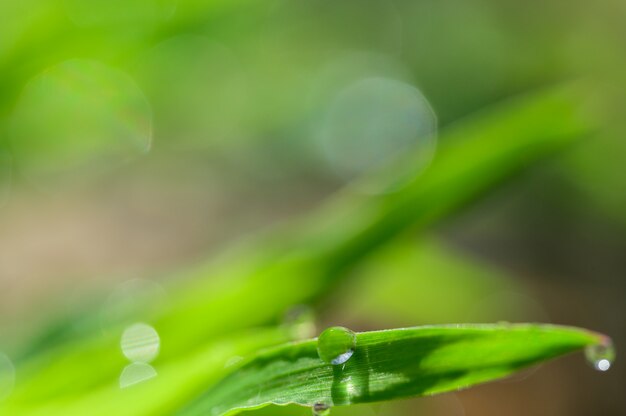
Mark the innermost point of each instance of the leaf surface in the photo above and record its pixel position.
(390, 364)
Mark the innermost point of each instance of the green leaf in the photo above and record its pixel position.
(390, 364)
(178, 381)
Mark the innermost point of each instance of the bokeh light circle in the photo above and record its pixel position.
(140, 343)
(78, 118)
(136, 373)
(372, 123)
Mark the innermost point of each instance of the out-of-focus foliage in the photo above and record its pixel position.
(304, 266)
(406, 282)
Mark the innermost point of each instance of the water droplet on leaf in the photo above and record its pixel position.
(601, 356)
(321, 409)
(336, 345)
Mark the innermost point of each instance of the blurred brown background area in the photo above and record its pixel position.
(232, 158)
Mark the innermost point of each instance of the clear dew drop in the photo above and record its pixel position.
(336, 345)
(321, 409)
(601, 356)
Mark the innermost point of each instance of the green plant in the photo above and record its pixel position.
(387, 365)
(230, 308)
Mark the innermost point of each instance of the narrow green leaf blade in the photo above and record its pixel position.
(389, 365)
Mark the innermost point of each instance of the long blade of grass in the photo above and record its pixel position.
(389, 365)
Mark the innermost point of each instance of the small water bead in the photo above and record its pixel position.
(140, 343)
(600, 356)
(336, 345)
(321, 409)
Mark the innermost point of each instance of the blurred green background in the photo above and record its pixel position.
(141, 137)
